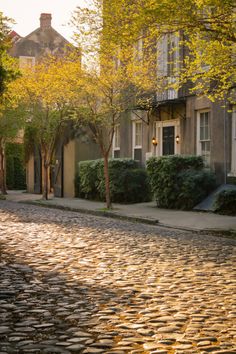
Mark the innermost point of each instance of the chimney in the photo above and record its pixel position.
(45, 21)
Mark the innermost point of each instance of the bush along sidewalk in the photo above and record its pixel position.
(128, 183)
(226, 202)
(15, 169)
(179, 182)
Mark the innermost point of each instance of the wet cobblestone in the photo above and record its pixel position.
(73, 283)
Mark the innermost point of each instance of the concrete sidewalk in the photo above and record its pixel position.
(143, 212)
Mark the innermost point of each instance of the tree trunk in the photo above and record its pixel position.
(45, 176)
(2, 168)
(107, 182)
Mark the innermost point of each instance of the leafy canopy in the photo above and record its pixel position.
(10, 119)
(45, 91)
(206, 30)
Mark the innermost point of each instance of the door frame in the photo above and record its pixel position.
(158, 133)
(168, 140)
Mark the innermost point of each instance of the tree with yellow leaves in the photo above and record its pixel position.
(10, 122)
(206, 31)
(114, 81)
(207, 38)
(45, 91)
(100, 108)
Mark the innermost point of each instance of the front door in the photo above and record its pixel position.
(168, 140)
(233, 151)
(37, 171)
(58, 172)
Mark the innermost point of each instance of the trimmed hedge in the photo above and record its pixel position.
(194, 186)
(15, 169)
(136, 187)
(117, 175)
(226, 202)
(87, 178)
(128, 184)
(179, 182)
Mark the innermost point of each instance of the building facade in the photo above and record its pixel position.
(177, 123)
(180, 123)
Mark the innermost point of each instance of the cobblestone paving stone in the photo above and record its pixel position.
(73, 283)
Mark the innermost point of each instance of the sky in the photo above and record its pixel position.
(26, 14)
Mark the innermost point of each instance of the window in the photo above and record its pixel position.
(171, 57)
(138, 48)
(26, 62)
(204, 147)
(173, 54)
(117, 59)
(169, 63)
(116, 142)
(137, 134)
(117, 137)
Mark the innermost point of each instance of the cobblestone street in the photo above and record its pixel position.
(74, 283)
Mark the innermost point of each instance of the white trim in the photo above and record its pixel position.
(138, 49)
(158, 133)
(134, 122)
(115, 148)
(22, 61)
(198, 140)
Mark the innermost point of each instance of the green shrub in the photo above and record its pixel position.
(136, 187)
(179, 182)
(15, 169)
(194, 186)
(226, 202)
(117, 168)
(87, 178)
(231, 180)
(127, 183)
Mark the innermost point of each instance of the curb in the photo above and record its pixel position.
(103, 213)
(227, 233)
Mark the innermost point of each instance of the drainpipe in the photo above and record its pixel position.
(225, 126)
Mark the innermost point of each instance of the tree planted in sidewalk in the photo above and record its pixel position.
(48, 98)
(115, 79)
(100, 108)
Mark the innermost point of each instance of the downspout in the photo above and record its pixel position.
(225, 131)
